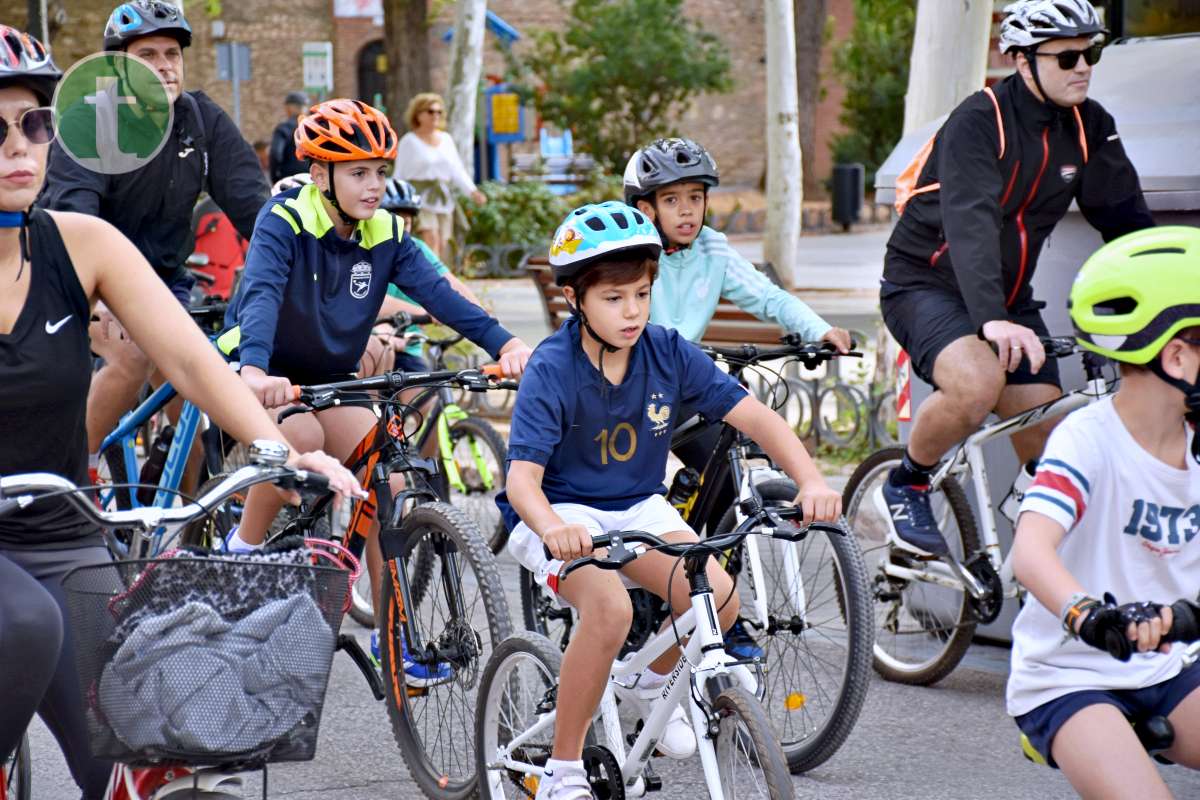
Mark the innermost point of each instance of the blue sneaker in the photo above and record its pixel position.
(415, 675)
(740, 644)
(912, 526)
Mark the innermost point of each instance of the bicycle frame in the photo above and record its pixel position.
(968, 458)
(191, 420)
(704, 659)
(444, 413)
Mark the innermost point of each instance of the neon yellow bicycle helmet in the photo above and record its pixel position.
(1137, 292)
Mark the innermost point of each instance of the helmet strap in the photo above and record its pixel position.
(1031, 57)
(331, 196)
(1191, 394)
(605, 347)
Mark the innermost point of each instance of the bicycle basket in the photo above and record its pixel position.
(207, 661)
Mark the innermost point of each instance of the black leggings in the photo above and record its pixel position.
(37, 658)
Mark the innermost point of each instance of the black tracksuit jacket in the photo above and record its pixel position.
(981, 232)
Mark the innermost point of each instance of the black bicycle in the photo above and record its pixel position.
(806, 605)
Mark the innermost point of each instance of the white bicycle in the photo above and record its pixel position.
(926, 609)
(739, 752)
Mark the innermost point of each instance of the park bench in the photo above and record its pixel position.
(730, 325)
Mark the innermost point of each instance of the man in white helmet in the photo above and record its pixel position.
(978, 202)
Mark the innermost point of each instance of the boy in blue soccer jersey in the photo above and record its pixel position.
(1115, 508)
(588, 450)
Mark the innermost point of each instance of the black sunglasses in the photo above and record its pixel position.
(37, 125)
(1067, 59)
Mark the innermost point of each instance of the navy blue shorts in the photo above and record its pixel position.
(407, 362)
(926, 319)
(1042, 724)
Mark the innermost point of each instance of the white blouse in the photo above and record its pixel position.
(417, 161)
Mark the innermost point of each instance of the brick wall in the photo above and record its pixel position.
(731, 125)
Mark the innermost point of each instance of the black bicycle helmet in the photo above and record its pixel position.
(667, 161)
(139, 18)
(24, 61)
(400, 197)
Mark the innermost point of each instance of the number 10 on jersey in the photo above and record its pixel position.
(620, 444)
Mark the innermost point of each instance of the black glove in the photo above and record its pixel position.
(1105, 626)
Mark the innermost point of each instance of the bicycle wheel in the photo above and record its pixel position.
(17, 773)
(479, 454)
(519, 685)
(461, 618)
(838, 413)
(542, 613)
(921, 629)
(111, 471)
(817, 639)
(749, 758)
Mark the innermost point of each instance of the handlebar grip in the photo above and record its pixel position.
(1185, 625)
(492, 370)
(421, 319)
(312, 481)
(295, 393)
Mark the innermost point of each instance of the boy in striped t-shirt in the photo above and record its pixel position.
(1114, 512)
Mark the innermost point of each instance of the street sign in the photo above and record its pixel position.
(505, 115)
(233, 61)
(317, 59)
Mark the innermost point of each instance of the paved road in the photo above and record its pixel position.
(951, 741)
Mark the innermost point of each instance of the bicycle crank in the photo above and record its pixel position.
(986, 606)
(603, 773)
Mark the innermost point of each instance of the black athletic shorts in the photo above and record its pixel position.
(925, 319)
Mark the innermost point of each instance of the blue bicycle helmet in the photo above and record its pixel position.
(139, 18)
(598, 231)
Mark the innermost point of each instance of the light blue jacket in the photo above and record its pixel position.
(692, 280)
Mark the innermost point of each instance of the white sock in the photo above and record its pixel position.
(555, 766)
(236, 544)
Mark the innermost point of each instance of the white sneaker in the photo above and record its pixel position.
(677, 740)
(564, 784)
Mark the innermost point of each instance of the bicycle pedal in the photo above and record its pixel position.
(652, 781)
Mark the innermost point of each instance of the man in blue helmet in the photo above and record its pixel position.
(152, 205)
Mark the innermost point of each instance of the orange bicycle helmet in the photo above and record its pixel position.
(345, 130)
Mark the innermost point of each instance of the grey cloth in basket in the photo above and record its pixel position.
(189, 680)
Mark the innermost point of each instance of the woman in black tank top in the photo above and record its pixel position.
(53, 268)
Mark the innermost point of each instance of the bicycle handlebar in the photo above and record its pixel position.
(620, 554)
(811, 354)
(319, 397)
(18, 491)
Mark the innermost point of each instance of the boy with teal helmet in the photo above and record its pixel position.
(588, 450)
(1114, 513)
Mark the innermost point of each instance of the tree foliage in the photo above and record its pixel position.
(873, 64)
(620, 71)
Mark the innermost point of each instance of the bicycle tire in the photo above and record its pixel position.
(921, 630)
(542, 614)
(742, 725)
(444, 770)
(843, 426)
(494, 728)
(810, 736)
(479, 502)
(18, 772)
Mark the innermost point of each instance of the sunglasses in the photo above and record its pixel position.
(37, 125)
(1067, 59)
(437, 112)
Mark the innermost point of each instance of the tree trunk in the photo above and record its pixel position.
(37, 23)
(811, 16)
(784, 167)
(406, 37)
(466, 65)
(949, 57)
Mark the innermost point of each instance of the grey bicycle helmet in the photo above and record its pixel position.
(24, 61)
(667, 161)
(139, 18)
(400, 197)
(1028, 23)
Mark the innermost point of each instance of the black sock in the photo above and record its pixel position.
(910, 473)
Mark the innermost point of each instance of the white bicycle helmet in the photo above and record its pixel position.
(291, 182)
(1028, 23)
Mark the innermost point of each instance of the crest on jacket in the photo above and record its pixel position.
(360, 280)
(659, 414)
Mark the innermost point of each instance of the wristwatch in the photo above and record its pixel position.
(269, 453)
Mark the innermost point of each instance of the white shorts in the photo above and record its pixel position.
(652, 515)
